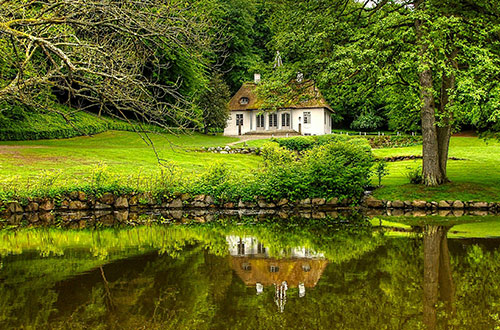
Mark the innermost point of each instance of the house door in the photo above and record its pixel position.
(285, 121)
(239, 122)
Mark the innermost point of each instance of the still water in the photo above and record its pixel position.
(333, 273)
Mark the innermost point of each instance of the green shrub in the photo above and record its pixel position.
(414, 174)
(337, 169)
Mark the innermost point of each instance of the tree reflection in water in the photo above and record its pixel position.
(224, 275)
(438, 279)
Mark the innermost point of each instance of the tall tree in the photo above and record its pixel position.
(435, 58)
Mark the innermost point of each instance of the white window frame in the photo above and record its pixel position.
(261, 121)
(239, 117)
(307, 117)
(273, 120)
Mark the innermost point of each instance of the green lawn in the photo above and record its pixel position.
(476, 178)
(124, 153)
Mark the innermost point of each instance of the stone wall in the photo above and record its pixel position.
(137, 203)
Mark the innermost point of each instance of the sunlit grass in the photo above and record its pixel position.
(124, 153)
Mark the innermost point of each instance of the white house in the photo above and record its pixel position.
(309, 114)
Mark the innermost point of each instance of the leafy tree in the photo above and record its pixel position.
(214, 103)
(434, 59)
(139, 59)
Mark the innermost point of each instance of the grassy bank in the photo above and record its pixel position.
(124, 153)
(475, 178)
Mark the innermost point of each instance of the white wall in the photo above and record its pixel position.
(316, 127)
(232, 128)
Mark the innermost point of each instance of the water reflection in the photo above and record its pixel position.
(321, 274)
(298, 267)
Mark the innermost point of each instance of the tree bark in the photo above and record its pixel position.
(435, 140)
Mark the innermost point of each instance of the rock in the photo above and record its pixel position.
(32, 207)
(209, 199)
(374, 203)
(458, 212)
(444, 213)
(333, 201)
(199, 198)
(223, 152)
(47, 217)
(305, 202)
(478, 205)
(14, 207)
(133, 200)
(229, 205)
(283, 202)
(419, 213)
(443, 205)
(419, 204)
(107, 198)
(82, 196)
(263, 204)
(185, 197)
(458, 204)
(146, 199)
(199, 204)
(65, 204)
(318, 201)
(46, 205)
(397, 204)
(121, 216)
(101, 206)
(33, 217)
(121, 203)
(77, 205)
(176, 204)
(388, 204)
(73, 195)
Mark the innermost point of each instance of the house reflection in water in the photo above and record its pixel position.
(296, 268)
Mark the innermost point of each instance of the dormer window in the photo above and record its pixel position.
(244, 100)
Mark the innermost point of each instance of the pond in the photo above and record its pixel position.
(349, 272)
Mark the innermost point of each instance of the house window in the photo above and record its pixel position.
(273, 120)
(285, 119)
(239, 119)
(274, 269)
(307, 117)
(246, 266)
(260, 121)
(244, 100)
(261, 248)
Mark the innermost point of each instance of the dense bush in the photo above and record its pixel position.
(301, 143)
(338, 169)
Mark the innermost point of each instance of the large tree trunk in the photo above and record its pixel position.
(435, 140)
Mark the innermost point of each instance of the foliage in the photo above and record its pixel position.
(214, 102)
(381, 170)
(414, 174)
(336, 169)
(368, 121)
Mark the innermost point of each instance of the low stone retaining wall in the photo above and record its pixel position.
(138, 203)
(79, 201)
(456, 205)
(412, 157)
(231, 150)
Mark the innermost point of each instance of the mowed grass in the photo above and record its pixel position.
(124, 153)
(476, 178)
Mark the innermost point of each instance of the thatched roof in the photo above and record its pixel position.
(307, 96)
(290, 270)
